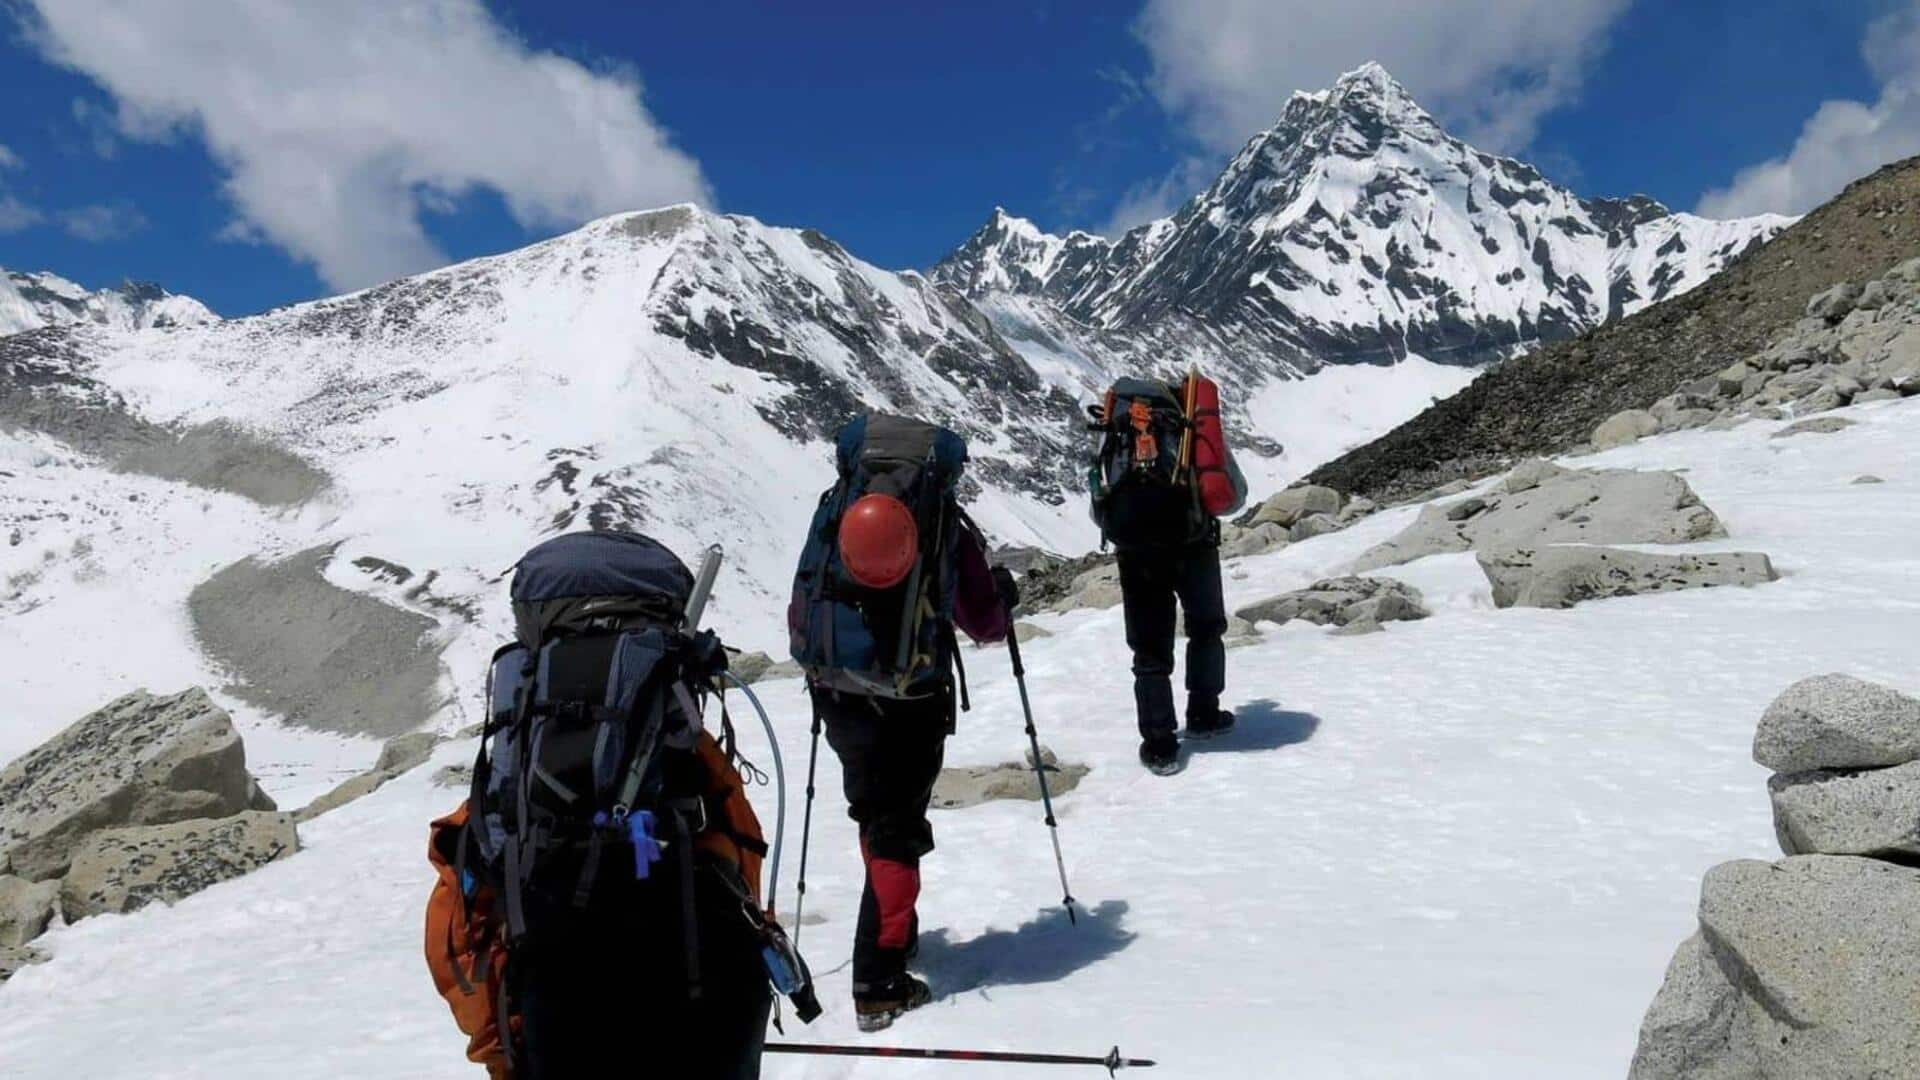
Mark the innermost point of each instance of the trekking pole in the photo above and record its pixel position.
(1112, 1060)
(1039, 768)
(806, 831)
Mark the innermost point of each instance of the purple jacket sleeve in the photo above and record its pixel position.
(976, 606)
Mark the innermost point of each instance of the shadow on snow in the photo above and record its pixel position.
(1259, 725)
(1044, 948)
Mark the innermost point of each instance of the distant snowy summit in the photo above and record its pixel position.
(1355, 230)
(31, 301)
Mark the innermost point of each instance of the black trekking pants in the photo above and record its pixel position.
(604, 991)
(890, 754)
(1151, 580)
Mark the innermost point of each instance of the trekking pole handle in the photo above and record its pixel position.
(703, 585)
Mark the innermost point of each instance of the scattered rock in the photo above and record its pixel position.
(1622, 428)
(1732, 382)
(1358, 627)
(1047, 583)
(1255, 540)
(459, 777)
(122, 870)
(1824, 425)
(1835, 303)
(785, 669)
(1868, 397)
(1465, 509)
(141, 760)
(1313, 525)
(1562, 576)
(1340, 601)
(1873, 296)
(1024, 632)
(26, 907)
(1095, 588)
(404, 753)
(1530, 474)
(1295, 503)
(749, 667)
(14, 958)
(1808, 967)
(1875, 812)
(352, 789)
(1837, 722)
(963, 787)
(1867, 478)
(1618, 506)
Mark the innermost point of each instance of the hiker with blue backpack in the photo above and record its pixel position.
(1161, 479)
(890, 568)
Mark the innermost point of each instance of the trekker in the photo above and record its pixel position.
(598, 893)
(891, 565)
(1162, 477)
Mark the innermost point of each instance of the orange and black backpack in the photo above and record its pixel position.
(594, 761)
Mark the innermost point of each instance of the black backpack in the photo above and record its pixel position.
(896, 642)
(1143, 492)
(588, 759)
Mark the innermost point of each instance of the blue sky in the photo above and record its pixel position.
(239, 162)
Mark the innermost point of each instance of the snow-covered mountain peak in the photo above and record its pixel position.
(29, 301)
(1356, 229)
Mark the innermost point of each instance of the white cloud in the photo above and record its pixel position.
(102, 222)
(8, 159)
(1151, 200)
(16, 215)
(336, 122)
(1489, 69)
(1843, 140)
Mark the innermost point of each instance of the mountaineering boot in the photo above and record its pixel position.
(877, 1009)
(1199, 727)
(1161, 756)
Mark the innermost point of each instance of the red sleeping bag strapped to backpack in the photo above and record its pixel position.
(1212, 468)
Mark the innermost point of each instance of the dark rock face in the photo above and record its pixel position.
(1551, 400)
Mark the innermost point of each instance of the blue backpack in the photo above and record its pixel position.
(887, 643)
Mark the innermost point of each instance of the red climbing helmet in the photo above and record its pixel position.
(879, 541)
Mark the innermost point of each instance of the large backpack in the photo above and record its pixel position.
(593, 759)
(1161, 473)
(895, 642)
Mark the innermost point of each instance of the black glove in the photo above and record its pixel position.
(1003, 584)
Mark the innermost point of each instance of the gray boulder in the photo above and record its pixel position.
(1357, 507)
(1868, 397)
(1024, 632)
(1625, 427)
(1874, 295)
(1867, 478)
(958, 788)
(1732, 382)
(1295, 503)
(404, 753)
(1875, 812)
(1340, 601)
(352, 789)
(1820, 425)
(1313, 525)
(123, 870)
(1560, 577)
(750, 667)
(1253, 540)
(1835, 303)
(1095, 588)
(1837, 722)
(1808, 967)
(14, 958)
(26, 907)
(1573, 506)
(141, 760)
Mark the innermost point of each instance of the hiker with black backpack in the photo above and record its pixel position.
(598, 895)
(1161, 479)
(890, 567)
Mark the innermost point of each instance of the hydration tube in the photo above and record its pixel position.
(780, 781)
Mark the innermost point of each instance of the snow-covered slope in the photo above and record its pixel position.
(1355, 230)
(30, 301)
(1461, 848)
